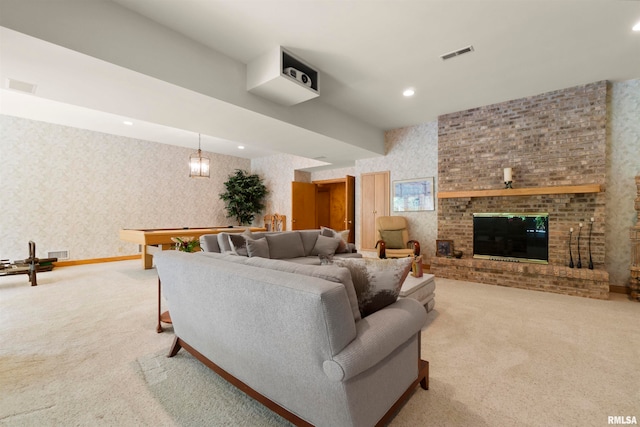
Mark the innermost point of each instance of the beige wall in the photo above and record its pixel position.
(73, 189)
(623, 164)
(411, 152)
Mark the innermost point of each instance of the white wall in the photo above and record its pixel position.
(72, 189)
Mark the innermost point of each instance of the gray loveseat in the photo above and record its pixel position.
(291, 336)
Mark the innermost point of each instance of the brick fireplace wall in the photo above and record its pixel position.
(554, 139)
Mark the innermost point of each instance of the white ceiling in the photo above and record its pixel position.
(369, 51)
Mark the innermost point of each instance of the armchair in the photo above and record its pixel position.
(393, 238)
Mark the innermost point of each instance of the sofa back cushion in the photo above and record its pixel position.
(327, 272)
(285, 245)
(209, 243)
(309, 238)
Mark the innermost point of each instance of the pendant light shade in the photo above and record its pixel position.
(198, 164)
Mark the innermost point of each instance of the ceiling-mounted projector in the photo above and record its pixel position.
(298, 75)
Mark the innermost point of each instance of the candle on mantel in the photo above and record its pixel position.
(507, 175)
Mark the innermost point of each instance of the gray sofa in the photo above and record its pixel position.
(291, 336)
(301, 246)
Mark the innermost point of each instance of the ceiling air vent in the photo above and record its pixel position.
(458, 52)
(21, 86)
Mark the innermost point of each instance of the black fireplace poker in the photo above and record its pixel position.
(579, 265)
(590, 259)
(570, 254)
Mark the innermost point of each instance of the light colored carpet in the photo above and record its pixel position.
(81, 349)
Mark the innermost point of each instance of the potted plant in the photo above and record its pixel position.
(186, 244)
(244, 197)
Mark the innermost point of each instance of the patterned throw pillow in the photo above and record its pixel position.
(377, 281)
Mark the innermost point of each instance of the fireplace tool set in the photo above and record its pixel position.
(579, 264)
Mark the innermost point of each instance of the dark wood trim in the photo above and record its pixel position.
(619, 289)
(423, 380)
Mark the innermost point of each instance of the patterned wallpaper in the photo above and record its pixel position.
(623, 164)
(278, 171)
(74, 189)
(411, 152)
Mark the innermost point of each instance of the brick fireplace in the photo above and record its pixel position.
(556, 145)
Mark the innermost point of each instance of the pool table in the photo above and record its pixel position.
(157, 239)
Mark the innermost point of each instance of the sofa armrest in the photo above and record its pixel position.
(378, 335)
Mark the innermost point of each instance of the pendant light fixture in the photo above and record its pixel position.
(198, 164)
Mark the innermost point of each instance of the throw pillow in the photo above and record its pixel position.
(325, 246)
(393, 239)
(238, 243)
(377, 281)
(343, 235)
(258, 248)
(285, 245)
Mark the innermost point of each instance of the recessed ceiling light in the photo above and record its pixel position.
(240, 147)
(409, 92)
(128, 123)
(636, 27)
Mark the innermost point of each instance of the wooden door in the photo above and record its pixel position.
(303, 206)
(375, 202)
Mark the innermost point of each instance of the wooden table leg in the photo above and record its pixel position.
(147, 258)
(159, 327)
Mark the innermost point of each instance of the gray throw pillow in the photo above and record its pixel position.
(325, 246)
(343, 246)
(258, 248)
(392, 239)
(238, 243)
(377, 281)
(285, 245)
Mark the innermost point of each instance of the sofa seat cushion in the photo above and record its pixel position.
(327, 272)
(377, 282)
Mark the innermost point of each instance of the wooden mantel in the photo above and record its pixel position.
(532, 191)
